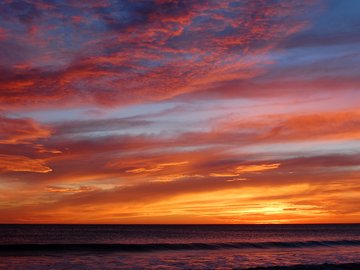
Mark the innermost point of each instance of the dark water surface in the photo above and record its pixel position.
(176, 246)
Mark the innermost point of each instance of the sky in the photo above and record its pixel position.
(173, 111)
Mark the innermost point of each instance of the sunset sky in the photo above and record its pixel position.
(179, 111)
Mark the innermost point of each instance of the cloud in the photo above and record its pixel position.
(257, 168)
(87, 126)
(57, 189)
(150, 157)
(126, 54)
(20, 137)
(217, 199)
(22, 164)
(275, 128)
(21, 130)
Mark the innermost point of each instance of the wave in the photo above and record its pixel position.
(6, 248)
(326, 266)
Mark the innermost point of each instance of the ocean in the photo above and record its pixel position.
(179, 246)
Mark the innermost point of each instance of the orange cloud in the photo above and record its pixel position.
(131, 63)
(56, 189)
(273, 128)
(256, 168)
(158, 167)
(16, 130)
(22, 164)
(236, 202)
(245, 169)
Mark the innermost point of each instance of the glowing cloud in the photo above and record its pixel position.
(22, 164)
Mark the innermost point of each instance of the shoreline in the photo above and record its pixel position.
(326, 266)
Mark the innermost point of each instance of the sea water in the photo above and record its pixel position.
(176, 246)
